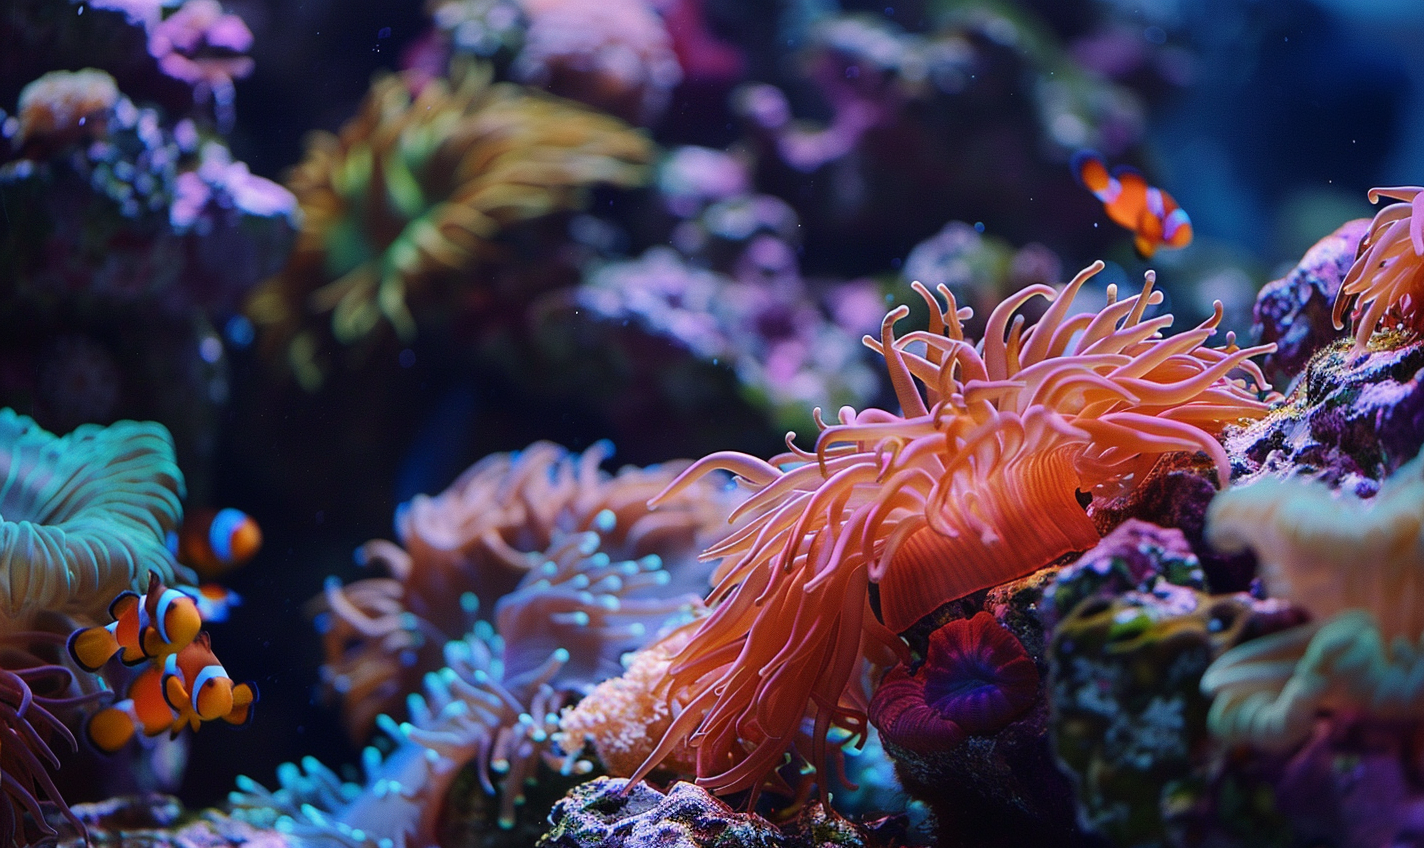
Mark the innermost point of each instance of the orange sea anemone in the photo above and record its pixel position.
(1386, 283)
(975, 483)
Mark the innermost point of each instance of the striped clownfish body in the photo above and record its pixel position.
(160, 622)
(145, 709)
(198, 688)
(1148, 212)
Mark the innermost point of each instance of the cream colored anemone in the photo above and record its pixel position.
(506, 541)
(1386, 282)
(84, 516)
(1358, 567)
(973, 484)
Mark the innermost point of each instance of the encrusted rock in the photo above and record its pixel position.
(1350, 421)
(1131, 558)
(1295, 311)
(1128, 715)
(159, 821)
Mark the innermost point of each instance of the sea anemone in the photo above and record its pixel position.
(85, 515)
(976, 679)
(556, 551)
(26, 722)
(1357, 566)
(1386, 283)
(470, 713)
(414, 191)
(975, 484)
(622, 718)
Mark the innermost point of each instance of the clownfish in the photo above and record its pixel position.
(160, 622)
(198, 689)
(159, 699)
(212, 541)
(145, 708)
(1149, 213)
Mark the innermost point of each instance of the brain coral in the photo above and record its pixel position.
(85, 515)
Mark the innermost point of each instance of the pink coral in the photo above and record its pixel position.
(203, 46)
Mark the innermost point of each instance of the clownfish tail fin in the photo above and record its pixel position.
(1091, 171)
(91, 647)
(244, 696)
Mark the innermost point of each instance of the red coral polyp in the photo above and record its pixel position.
(976, 679)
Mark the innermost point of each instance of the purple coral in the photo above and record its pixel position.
(976, 679)
(203, 46)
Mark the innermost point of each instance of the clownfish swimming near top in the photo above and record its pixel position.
(1150, 213)
(192, 687)
(160, 622)
(213, 541)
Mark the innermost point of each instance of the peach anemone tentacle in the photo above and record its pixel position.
(972, 483)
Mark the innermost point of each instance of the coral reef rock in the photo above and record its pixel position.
(600, 814)
(1295, 311)
(1351, 421)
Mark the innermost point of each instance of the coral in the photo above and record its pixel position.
(1294, 312)
(85, 515)
(786, 354)
(623, 718)
(1306, 537)
(146, 214)
(1268, 692)
(1350, 421)
(1129, 720)
(609, 812)
(616, 56)
(415, 190)
(161, 820)
(557, 552)
(974, 485)
(975, 679)
(1354, 783)
(483, 28)
(1364, 650)
(1132, 557)
(204, 46)
(62, 107)
(1386, 282)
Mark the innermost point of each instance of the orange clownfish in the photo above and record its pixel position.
(1150, 213)
(145, 708)
(212, 541)
(198, 689)
(159, 699)
(160, 622)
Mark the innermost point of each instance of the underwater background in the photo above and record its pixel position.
(1083, 576)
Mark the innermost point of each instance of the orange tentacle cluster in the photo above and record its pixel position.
(1386, 283)
(974, 484)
